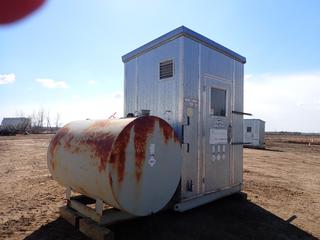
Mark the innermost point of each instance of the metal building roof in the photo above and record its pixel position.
(186, 32)
(253, 119)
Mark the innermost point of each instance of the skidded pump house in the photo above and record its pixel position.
(187, 152)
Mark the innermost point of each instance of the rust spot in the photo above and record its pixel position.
(67, 140)
(166, 129)
(53, 163)
(98, 124)
(76, 149)
(118, 155)
(143, 127)
(101, 145)
(55, 142)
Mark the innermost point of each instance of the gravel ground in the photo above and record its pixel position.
(282, 185)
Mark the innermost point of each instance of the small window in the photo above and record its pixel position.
(249, 129)
(218, 102)
(166, 69)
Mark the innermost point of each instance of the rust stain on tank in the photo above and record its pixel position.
(143, 127)
(101, 145)
(67, 140)
(53, 163)
(118, 155)
(110, 180)
(55, 142)
(166, 130)
(98, 124)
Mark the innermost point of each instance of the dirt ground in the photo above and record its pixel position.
(282, 185)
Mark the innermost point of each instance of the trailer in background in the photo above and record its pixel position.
(253, 133)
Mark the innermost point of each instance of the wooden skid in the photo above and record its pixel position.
(85, 225)
(70, 216)
(108, 216)
(94, 231)
(88, 220)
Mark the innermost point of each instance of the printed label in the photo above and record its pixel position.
(218, 136)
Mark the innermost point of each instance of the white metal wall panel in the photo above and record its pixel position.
(159, 96)
(261, 133)
(216, 64)
(190, 167)
(182, 96)
(237, 122)
(256, 137)
(130, 87)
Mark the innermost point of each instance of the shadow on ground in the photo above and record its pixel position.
(233, 217)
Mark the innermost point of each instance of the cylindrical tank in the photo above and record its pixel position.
(133, 164)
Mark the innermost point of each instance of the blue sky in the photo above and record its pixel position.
(66, 57)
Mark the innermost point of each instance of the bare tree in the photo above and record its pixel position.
(40, 117)
(48, 121)
(57, 120)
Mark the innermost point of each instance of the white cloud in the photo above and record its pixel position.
(247, 76)
(92, 82)
(50, 83)
(7, 78)
(288, 102)
(94, 107)
(118, 95)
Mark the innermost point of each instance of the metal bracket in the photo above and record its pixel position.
(240, 143)
(241, 113)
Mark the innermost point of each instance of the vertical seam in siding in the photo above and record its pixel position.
(136, 85)
(200, 150)
(181, 81)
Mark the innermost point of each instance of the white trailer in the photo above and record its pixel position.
(253, 133)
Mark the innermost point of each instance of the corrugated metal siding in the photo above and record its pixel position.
(220, 67)
(261, 133)
(15, 122)
(159, 96)
(193, 63)
(237, 122)
(216, 64)
(130, 87)
(191, 73)
(191, 68)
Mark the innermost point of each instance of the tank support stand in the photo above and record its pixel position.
(92, 221)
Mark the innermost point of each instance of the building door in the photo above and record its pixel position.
(217, 129)
(249, 134)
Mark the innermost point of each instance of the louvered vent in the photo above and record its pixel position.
(166, 69)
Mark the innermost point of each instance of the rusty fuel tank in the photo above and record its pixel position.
(133, 164)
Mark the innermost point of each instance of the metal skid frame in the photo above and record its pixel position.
(206, 198)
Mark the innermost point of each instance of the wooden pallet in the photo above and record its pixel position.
(92, 222)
